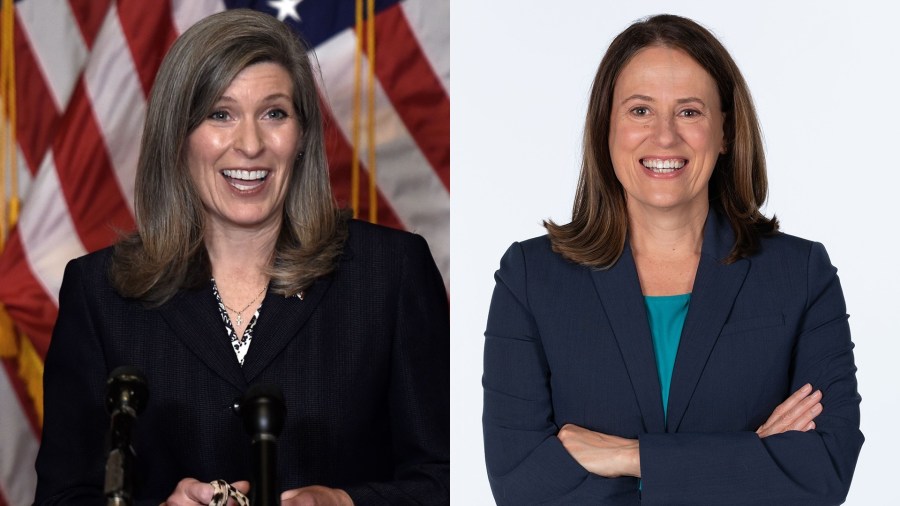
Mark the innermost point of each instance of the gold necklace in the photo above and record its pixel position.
(240, 318)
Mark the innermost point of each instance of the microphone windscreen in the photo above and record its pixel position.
(262, 409)
(127, 373)
(267, 390)
(126, 386)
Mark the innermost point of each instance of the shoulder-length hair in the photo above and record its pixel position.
(167, 251)
(738, 187)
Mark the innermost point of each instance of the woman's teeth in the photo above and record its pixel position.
(246, 175)
(245, 179)
(663, 166)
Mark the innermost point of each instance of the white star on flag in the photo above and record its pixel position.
(286, 9)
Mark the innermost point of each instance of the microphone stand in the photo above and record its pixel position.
(262, 409)
(126, 397)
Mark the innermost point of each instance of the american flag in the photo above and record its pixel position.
(83, 70)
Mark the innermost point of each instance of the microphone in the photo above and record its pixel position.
(262, 410)
(126, 397)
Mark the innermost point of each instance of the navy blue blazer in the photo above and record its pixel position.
(363, 361)
(570, 344)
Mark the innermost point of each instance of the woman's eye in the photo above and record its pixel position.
(690, 113)
(640, 111)
(277, 114)
(218, 115)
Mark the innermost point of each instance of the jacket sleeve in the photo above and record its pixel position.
(813, 467)
(526, 462)
(419, 392)
(70, 463)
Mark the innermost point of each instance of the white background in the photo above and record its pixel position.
(825, 77)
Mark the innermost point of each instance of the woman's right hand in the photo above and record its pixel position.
(191, 492)
(797, 412)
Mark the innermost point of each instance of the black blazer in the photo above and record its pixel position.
(363, 361)
(569, 344)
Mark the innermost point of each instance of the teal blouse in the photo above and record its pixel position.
(666, 314)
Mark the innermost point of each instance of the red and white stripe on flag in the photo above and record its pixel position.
(83, 71)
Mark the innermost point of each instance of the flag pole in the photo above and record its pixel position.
(13, 345)
(370, 46)
(357, 92)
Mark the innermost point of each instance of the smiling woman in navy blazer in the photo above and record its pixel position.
(669, 345)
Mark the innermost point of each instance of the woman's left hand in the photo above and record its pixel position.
(797, 412)
(316, 495)
(602, 454)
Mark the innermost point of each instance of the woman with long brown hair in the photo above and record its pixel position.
(669, 345)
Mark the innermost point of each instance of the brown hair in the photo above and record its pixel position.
(167, 252)
(738, 187)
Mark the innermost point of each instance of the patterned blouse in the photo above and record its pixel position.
(240, 345)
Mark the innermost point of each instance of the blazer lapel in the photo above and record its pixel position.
(620, 294)
(280, 320)
(194, 317)
(715, 288)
